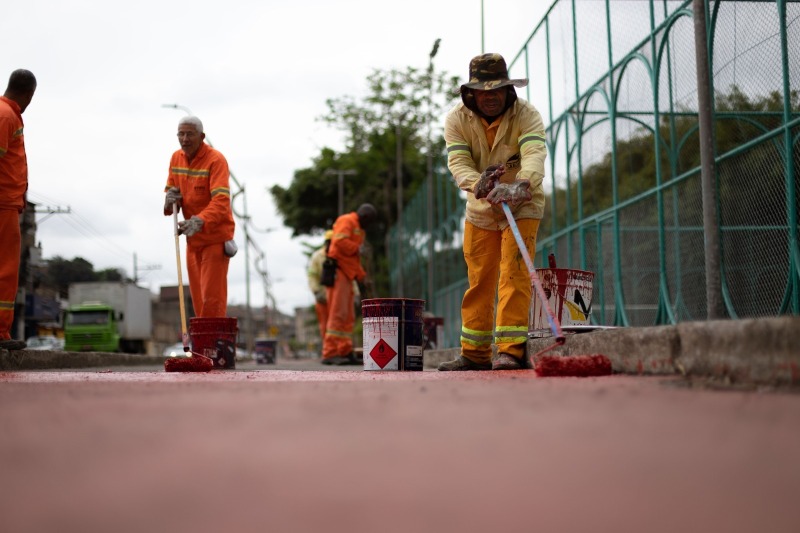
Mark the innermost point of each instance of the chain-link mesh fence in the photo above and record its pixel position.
(616, 83)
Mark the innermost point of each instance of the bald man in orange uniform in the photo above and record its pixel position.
(13, 186)
(198, 184)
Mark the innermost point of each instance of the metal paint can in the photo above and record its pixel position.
(215, 338)
(393, 333)
(569, 294)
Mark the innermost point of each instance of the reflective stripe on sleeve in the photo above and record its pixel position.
(533, 138)
(456, 148)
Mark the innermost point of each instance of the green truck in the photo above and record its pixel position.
(108, 317)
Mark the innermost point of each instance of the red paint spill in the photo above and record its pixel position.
(577, 366)
(195, 363)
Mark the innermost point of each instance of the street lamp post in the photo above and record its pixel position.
(341, 174)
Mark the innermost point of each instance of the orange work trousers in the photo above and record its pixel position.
(338, 340)
(208, 279)
(322, 317)
(10, 242)
(496, 272)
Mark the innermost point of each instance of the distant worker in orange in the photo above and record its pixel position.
(13, 186)
(198, 184)
(348, 235)
(319, 291)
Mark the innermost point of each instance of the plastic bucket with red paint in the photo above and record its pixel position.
(569, 295)
(393, 333)
(215, 338)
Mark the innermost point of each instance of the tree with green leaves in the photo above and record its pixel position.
(63, 272)
(396, 112)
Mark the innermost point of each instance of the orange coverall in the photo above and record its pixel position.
(204, 185)
(345, 245)
(13, 185)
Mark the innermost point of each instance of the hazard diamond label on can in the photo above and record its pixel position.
(382, 353)
(381, 343)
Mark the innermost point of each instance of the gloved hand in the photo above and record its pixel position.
(230, 248)
(191, 226)
(321, 296)
(362, 288)
(488, 180)
(173, 197)
(512, 193)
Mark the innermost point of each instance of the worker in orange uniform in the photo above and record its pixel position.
(348, 235)
(496, 153)
(13, 186)
(198, 185)
(314, 274)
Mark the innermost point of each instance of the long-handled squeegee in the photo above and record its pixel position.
(576, 365)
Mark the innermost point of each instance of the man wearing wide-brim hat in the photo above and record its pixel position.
(496, 152)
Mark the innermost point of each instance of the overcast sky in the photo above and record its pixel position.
(256, 72)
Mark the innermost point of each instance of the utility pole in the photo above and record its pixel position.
(715, 307)
(248, 310)
(341, 174)
(137, 268)
(483, 48)
(398, 130)
(430, 175)
(50, 212)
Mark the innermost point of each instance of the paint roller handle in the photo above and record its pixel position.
(184, 332)
(555, 327)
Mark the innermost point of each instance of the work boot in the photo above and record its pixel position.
(505, 361)
(353, 359)
(11, 344)
(462, 363)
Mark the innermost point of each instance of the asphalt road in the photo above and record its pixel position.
(295, 448)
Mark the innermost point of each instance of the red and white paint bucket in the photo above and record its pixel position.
(569, 294)
(393, 333)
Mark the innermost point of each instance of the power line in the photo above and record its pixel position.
(83, 226)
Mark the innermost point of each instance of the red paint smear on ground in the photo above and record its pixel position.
(577, 366)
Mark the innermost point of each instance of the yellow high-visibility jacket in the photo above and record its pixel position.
(519, 145)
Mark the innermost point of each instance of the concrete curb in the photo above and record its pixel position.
(49, 360)
(759, 351)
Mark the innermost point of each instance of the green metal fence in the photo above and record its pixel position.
(616, 83)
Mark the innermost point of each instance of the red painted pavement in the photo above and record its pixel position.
(354, 451)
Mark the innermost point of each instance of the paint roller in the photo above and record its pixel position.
(550, 365)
